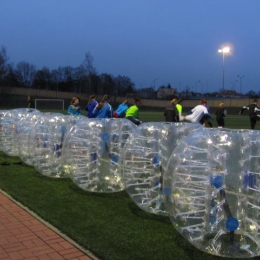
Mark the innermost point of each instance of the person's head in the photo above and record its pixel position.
(75, 100)
(91, 98)
(174, 101)
(204, 102)
(125, 101)
(138, 101)
(106, 98)
(221, 105)
(255, 101)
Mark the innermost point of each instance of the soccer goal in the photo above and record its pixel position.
(57, 104)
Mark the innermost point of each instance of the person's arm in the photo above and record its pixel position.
(69, 111)
(257, 109)
(243, 109)
(95, 110)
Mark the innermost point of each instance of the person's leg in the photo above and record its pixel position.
(252, 123)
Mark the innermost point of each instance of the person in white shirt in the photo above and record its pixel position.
(198, 114)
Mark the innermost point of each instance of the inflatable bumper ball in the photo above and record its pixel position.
(92, 151)
(214, 199)
(2, 114)
(144, 161)
(46, 141)
(24, 127)
(9, 133)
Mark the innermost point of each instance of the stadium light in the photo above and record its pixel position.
(225, 50)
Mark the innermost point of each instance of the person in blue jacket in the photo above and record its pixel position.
(74, 108)
(120, 112)
(91, 105)
(103, 109)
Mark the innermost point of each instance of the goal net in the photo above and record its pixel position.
(55, 104)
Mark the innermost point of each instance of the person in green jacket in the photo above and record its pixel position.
(132, 113)
(179, 108)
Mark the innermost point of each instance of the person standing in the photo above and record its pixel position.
(179, 109)
(103, 109)
(199, 114)
(120, 112)
(220, 114)
(74, 107)
(132, 113)
(207, 121)
(253, 109)
(30, 102)
(91, 105)
(171, 112)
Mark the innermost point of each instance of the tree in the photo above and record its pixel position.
(88, 64)
(123, 85)
(10, 79)
(106, 83)
(3, 63)
(252, 94)
(88, 70)
(25, 73)
(42, 79)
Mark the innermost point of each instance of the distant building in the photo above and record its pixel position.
(146, 93)
(166, 93)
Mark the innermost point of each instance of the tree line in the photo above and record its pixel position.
(82, 79)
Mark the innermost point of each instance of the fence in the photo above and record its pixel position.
(20, 95)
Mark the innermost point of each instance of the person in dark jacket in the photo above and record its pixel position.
(253, 109)
(220, 114)
(171, 113)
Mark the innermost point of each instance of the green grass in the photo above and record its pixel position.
(111, 226)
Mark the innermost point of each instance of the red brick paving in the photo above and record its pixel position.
(24, 236)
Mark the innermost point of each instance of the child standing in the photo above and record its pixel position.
(74, 108)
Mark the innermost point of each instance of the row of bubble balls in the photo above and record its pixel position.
(205, 180)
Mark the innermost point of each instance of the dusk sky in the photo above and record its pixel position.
(154, 42)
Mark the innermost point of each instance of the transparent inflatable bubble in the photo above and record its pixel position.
(2, 114)
(9, 134)
(92, 150)
(144, 161)
(24, 128)
(46, 143)
(214, 185)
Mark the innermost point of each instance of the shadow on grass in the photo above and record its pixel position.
(146, 215)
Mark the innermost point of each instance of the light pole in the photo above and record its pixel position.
(233, 83)
(154, 84)
(240, 81)
(224, 51)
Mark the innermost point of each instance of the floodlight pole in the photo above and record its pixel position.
(224, 50)
(240, 81)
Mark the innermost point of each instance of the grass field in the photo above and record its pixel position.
(111, 226)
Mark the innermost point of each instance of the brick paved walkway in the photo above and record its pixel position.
(23, 235)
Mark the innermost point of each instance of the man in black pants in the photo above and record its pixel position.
(253, 116)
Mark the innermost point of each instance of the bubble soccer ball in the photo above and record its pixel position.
(46, 141)
(214, 183)
(144, 161)
(92, 151)
(2, 114)
(22, 133)
(9, 133)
